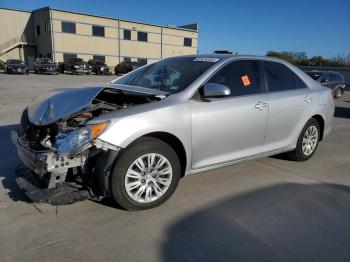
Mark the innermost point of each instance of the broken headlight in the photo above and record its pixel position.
(70, 142)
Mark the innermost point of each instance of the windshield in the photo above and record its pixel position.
(99, 63)
(171, 75)
(15, 62)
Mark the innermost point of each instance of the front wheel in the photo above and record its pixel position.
(145, 175)
(307, 141)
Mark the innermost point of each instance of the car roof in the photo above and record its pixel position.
(324, 71)
(228, 57)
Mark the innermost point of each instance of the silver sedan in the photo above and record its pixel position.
(132, 140)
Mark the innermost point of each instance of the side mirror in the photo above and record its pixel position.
(215, 90)
(324, 80)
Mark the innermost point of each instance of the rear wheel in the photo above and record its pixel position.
(307, 141)
(145, 175)
(338, 92)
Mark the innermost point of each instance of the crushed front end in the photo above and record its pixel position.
(58, 161)
(63, 159)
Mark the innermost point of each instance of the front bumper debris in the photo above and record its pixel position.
(43, 174)
(46, 162)
(62, 195)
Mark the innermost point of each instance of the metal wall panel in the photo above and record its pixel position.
(14, 24)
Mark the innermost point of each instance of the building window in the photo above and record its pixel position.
(47, 27)
(68, 27)
(68, 57)
(127, 60)
(187, 41)
(49, 55)
(127, 34)
(100, 58)
(98, 31)
(141, 61)
(142, 36)
(38, 30)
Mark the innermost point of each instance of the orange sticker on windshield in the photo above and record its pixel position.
(245, 80)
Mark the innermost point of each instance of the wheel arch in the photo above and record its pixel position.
(175, 143)
(321, 123)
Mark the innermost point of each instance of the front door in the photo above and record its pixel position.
(230, 128)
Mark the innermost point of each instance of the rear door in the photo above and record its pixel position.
(230, 128)
(290, 100)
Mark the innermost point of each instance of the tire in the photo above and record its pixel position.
(337, 92)
(126, 161)
(300, 155)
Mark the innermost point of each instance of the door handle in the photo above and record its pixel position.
(308, 99)
(261, 105)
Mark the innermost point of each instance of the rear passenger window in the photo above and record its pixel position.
(281, 78)
(242, 77)
(339, 78)
(335, 78)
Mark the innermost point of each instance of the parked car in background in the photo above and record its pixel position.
(16, 66)
(75, 66)
(99, 67)
(134, 139)
(125, 67)
(45, 65)
(330, 79)
(314, 74)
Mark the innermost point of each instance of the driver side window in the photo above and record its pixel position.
(241, 77)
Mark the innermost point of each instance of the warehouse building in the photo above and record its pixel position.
(61, 35)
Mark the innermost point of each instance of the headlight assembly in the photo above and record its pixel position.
(68, 143)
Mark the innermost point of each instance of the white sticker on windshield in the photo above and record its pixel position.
(206, 59)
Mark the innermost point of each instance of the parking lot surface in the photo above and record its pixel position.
(270, 209)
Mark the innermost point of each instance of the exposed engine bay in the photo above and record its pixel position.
(64, 152)
(42, 138)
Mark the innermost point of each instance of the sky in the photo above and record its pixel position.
(317, 27)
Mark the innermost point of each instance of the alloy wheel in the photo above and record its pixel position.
(148, 178)
(310, 140)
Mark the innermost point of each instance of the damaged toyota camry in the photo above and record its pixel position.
(133, 139)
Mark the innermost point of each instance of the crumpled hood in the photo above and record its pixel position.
(52, 106)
